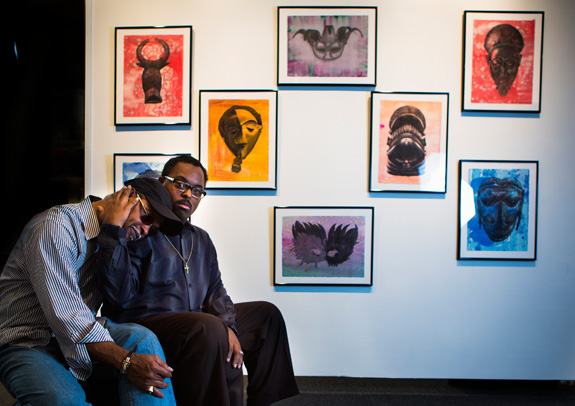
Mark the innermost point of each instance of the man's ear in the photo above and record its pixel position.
(161, 179)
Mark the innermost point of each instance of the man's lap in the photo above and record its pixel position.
(39, 376)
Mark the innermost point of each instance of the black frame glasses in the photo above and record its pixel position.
(197, 192)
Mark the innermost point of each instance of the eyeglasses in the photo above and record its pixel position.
(147, 218)
(197, 192)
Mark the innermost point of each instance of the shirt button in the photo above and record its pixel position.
(190, 285)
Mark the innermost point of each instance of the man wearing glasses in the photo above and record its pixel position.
(173, 286)
(50, 337)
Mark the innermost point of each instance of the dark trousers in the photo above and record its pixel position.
(196, 346)
(263, 337)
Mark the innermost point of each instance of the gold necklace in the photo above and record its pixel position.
(185, 261)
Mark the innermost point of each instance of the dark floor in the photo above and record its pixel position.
(322, 391)
(328, 391)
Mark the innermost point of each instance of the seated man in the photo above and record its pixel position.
(49, 335)
(173, 286)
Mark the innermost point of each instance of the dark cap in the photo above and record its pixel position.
(160, 200)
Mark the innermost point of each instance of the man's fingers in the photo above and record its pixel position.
(133, 197)
(156, 393)
(238, 359)
(124, 192)
(148, 370)
(163, 369)
(160, 385)
(128, 193)
(163, 373)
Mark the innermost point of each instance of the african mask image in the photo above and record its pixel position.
(151, 76)
(240, 128)
(330, 44)
(406, 142)
(499, 204)
(503, 44)
(152, 80)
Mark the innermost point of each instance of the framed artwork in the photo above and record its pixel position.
(502, 61)
(131, 166)
(238, 138)
(408, 151)
(498, 210)
(153, 75)
(327, 45)
(323, 246)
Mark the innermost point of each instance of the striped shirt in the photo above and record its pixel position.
(48, 286)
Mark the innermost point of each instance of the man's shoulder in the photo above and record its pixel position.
(80, 210)
(199, 232)
(195, 229)
(76, 215)
(59, 216)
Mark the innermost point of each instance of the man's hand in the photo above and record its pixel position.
(119, 206)
(147, 370)
(235, 353)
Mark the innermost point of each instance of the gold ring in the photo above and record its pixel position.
(150, 389)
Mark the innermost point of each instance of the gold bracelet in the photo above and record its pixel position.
(126, 363)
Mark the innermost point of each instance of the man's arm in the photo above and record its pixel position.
(116, 277)
(54, 257)
(219, 303)
(217, 300)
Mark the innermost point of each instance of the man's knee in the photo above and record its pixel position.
(270, 309)
(145, 340)
(135, 337)
(209, 332)
(259, 314)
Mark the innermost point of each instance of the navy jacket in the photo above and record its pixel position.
(147, 277)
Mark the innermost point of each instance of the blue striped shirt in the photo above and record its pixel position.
(48, 286)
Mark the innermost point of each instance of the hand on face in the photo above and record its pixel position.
(119, 206)
(123, 209)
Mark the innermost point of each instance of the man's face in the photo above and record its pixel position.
(504, 64)
(184, 204)
(241, 131)
(138, 224)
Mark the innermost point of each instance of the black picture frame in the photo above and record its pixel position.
(334, 46)
(497, 210)
(230, 164)
(495, 38)
(426, 115)
(160, 96)
(327, 246)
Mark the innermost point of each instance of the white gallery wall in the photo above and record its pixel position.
(427, 314)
